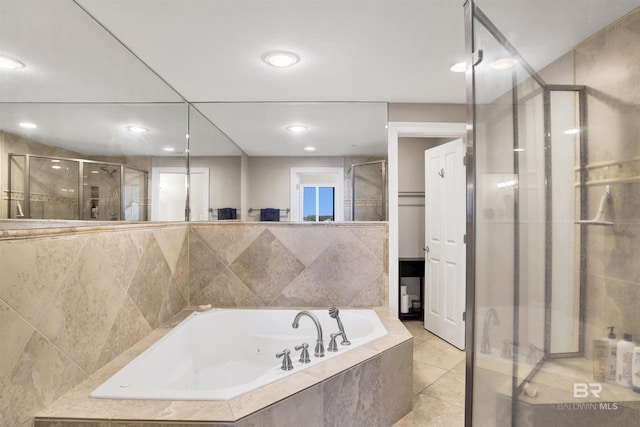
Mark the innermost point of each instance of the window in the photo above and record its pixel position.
(318, 203)
(317, 194)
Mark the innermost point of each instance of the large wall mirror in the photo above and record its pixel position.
(303, 159)
(83, 122)
(89, 132)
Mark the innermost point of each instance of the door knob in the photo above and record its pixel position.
(426, 249)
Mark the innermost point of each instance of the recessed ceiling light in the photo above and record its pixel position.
(7, 63)
(518, 149)
(503, 63)
(137, 129)
(296, 128)
(281, 59)
(171, 149)
(27, 125)
(95, 171)
(460, 67)
(56, 167)
(571, 131)
(309, 149)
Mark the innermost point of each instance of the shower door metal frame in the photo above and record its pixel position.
(385, 189)
(470, 309)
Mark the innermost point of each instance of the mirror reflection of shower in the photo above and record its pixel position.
(369, 191)
(43, 187)
(112, 205)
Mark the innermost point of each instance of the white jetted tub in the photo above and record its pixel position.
(222, 353)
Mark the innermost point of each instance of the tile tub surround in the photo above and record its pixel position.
(56, 277)
(289, 264)
(71, 301)
(369, 384)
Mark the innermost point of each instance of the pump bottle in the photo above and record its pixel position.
(623, 360)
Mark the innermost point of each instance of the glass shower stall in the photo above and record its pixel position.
(554, 192)
(43, 187)
(369, 191)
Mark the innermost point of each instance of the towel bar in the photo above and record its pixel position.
(252, 210)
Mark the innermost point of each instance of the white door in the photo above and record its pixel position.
(445, 252)
(169, 194)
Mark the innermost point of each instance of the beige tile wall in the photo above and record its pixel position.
(608, 64)
(284, 264)
(71, 302)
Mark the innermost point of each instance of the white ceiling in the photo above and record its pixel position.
(367, 52)
(69, 58)
(334, 129)
(372, 50)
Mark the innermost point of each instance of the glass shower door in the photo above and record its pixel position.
(510, 257)
(102, 189)
(53, 187)
(369, 191)
(551, 175)
(135, 195)
(495, 254)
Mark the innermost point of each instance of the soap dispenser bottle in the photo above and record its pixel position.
(635, 370)
(612, 347)
(624, 359)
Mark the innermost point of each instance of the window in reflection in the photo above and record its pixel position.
(318, 203)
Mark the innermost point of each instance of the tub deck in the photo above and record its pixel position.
(371, 384)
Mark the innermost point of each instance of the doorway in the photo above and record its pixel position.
(170, 194)
(397, 130)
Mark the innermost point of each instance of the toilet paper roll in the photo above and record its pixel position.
(403, 290)
(404, 304)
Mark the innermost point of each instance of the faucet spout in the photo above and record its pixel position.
(319, 349)
(485, 345)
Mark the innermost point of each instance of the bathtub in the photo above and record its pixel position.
(222, 353)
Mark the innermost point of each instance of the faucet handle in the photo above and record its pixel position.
(286, 361)
(304, 354)
(333, 345)
(506, 352)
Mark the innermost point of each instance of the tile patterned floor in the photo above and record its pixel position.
(438, 381)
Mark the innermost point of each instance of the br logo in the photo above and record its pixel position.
(583, 390)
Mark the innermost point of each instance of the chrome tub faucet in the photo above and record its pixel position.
(319, 350)
(485, 345)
